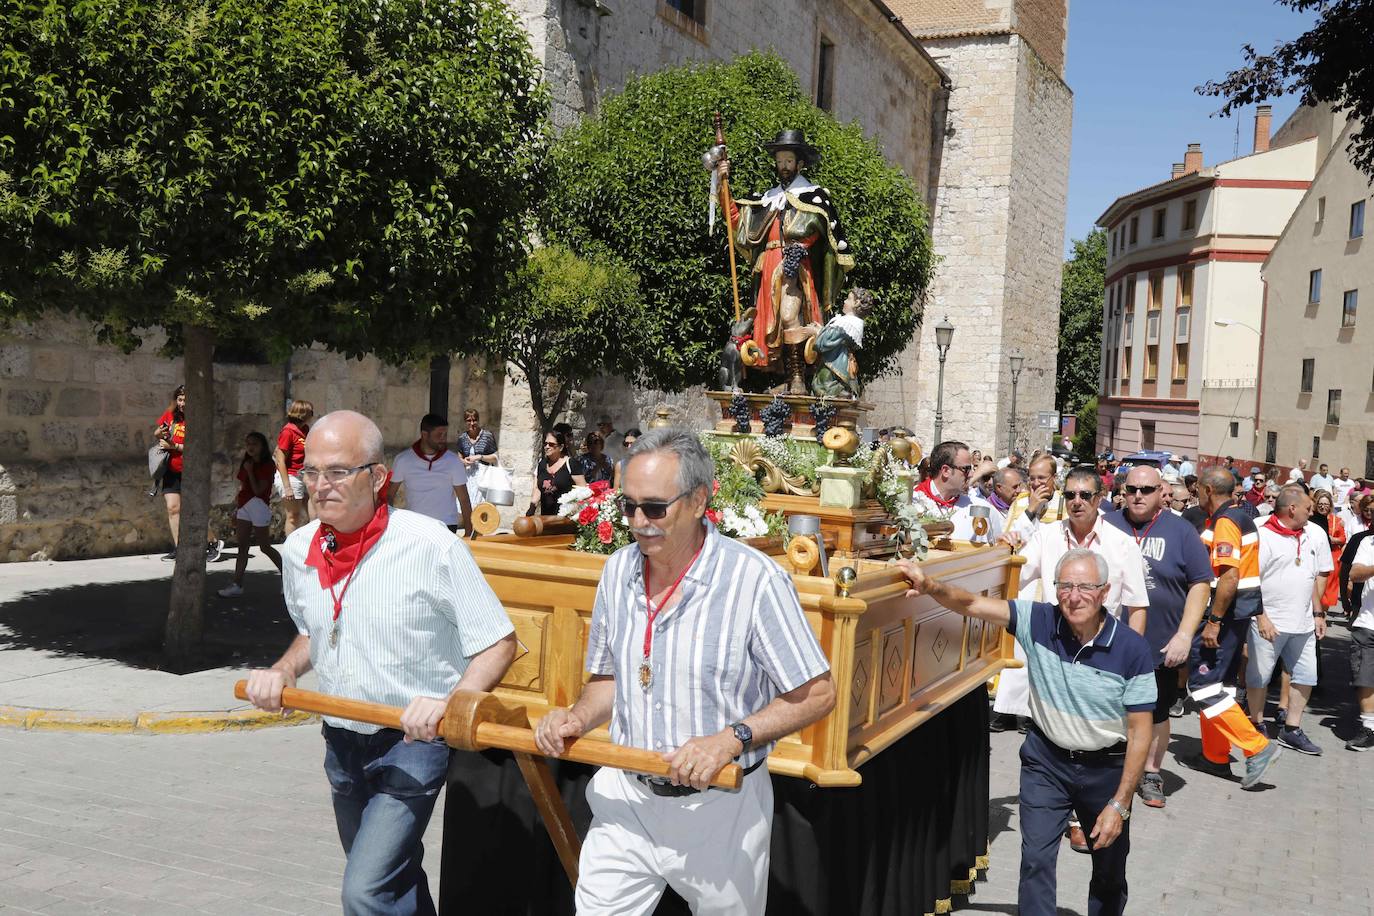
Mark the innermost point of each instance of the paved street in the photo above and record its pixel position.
(240, 823)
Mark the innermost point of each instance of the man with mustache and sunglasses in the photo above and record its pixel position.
(1178, 577)
(698, 650)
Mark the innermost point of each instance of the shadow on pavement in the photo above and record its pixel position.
(123, 622)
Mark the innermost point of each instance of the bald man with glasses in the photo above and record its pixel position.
(1092, 690)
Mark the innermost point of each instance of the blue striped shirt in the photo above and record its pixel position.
(735, 640)
(1080, 693)
(416, 611)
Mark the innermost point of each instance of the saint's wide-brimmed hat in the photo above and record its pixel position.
(794, 141)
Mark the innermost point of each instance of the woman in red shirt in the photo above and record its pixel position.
(253, 516)
(290, 458)
(170, 433)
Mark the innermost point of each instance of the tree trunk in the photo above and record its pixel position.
(439, 368)
(185, 619)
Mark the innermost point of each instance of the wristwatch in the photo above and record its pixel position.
(1121, 809)
(1209, 617)
(744, 734)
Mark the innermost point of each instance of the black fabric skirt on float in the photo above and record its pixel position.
(906, 839)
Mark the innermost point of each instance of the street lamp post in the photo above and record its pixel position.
(1017, 360)
(944, 335)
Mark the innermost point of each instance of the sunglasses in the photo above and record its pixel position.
(1086, 495)
(1133, 490)
(652, 508)
(550, 445)
(966, 469)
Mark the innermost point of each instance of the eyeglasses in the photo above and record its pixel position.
(1083, 588)
(1133, 490)
(1086, 495)
(311, 476)
(652, 508)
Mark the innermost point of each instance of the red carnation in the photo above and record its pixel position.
(714, 516)
(587, 515)
(715, 487)
(599, 487)
(605, 532)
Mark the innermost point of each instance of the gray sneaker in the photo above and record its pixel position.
(1258, 764)
(1151, 790)
(1294, 739)
(1364, 741)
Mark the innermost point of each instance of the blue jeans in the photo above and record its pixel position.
(384, 792)
(1052, 785)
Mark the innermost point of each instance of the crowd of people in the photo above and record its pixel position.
(1151, 589)
(428, 477)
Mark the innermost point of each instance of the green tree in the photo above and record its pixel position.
(630, 181)
(285, 171)
(1085, 437)
(1080, 322)
(566, 319)
(1333, 62)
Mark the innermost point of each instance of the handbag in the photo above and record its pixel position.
(158, 457)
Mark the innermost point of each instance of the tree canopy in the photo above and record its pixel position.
(629, 181)
(1333, 62)
(1080, 321)
(352, 172)
(341, 171)
(566, 319)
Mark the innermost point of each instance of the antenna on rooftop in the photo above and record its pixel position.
(1235, 147)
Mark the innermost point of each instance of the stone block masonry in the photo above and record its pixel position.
(78, 420)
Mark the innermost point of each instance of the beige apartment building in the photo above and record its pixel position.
(1316, 393)
(1183, 299)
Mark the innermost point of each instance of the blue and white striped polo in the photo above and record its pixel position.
(417, 609)
(735, 640)
(1080, 692)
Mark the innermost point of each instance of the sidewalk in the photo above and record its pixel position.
(80, 647)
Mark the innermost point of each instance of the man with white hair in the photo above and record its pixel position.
(390, 608)
(1092, 689)
(698, 650)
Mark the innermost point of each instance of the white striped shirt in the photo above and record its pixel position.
(416, 611)
(735, 640)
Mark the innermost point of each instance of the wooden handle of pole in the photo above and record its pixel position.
(725, 202)
(489, 734)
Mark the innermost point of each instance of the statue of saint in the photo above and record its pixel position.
(832, 349)
(793, 245)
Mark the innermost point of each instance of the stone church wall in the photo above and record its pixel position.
(78, 420)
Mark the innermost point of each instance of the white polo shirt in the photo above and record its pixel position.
(416, 609)
(958, 514)
(1125, 562)
(1364, 556)
(429, 484)
(1285, 583)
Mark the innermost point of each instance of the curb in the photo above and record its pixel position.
(147, 723)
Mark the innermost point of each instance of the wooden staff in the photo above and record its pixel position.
(725, 202)
(476, 721)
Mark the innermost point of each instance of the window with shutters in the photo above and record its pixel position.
(1333, 407)
(1309, 370)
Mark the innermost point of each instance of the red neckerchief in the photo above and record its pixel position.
(429, 462)
(1278, 527)
(349, 547)
(926, 488)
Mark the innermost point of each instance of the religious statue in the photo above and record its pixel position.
(832, 348)
(793, 245)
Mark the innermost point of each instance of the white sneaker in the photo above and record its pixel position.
(212, 551)
(230, 591)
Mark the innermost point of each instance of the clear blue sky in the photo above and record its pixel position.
(1132, 67)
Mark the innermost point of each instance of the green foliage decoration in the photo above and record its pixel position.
(630, 180)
